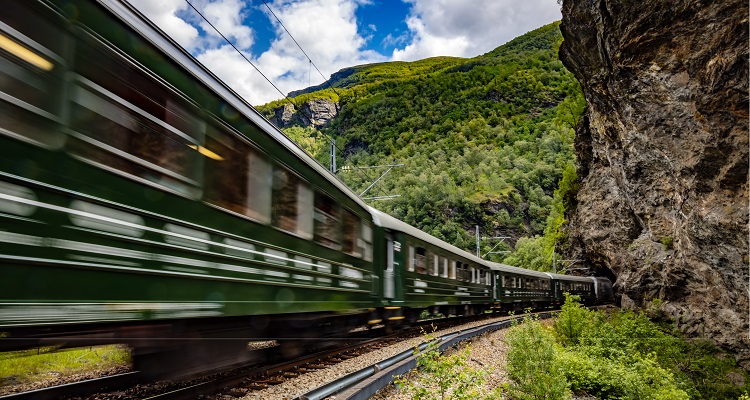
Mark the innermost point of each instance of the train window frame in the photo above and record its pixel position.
(327, 226)
(256, 191)
(452, 274)
(420, 260)
(284, 200)
(179, 167)
(351, 233)
(366, 240)
(411, 261)
(444, 262)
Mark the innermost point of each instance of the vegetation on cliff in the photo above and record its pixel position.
(485, 141)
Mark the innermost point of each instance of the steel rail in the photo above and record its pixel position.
(362, 384)
(77, 389)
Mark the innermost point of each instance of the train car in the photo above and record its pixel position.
(516, 289)
(142, 198)
(142, 201)
(603, 290)
(583, 287)
(421, 272)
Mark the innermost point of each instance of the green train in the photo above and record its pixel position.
(142, 200)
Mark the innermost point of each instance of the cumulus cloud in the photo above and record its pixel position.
(164, 15)
(227, 16)
(467, 28)
(325, 29)
(328, 32)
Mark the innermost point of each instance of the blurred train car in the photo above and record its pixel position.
(136, 188)
(142, 201)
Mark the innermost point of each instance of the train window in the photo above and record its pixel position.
(30, 74)
(420, 260)
(366, 242)
(351, 234)
(127, 121)
(327, 221)
(237, 177)
(412, 261)
(463, 273)
(35, 21)
(291, 203)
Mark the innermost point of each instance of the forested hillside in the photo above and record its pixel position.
(485, 141)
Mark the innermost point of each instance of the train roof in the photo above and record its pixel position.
(516, 270)
(572, 278)
(153, 34)
(386, 221)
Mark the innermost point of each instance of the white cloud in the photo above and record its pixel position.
(327, 31)
(227, 16)
(163, 14)
(467, 28)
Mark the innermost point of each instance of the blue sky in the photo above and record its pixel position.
(336, 34)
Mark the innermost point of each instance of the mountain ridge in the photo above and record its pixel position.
(491, 134)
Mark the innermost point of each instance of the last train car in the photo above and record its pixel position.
(139, 195)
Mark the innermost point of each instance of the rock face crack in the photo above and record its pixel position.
(663, 157)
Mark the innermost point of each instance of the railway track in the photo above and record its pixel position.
(321, 373)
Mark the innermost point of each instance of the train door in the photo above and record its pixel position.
(389, 281)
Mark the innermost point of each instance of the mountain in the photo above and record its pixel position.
(663, 157)
(485, 141)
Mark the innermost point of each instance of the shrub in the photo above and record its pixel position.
(640, 378)
(533, 364)
(572, 320)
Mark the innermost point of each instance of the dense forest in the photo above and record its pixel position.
(485, 141)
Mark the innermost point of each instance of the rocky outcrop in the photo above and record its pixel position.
(315, 112)
(663, 156)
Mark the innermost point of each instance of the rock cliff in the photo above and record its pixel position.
(663, 156)
(315, 112)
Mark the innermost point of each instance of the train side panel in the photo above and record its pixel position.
(131, 192)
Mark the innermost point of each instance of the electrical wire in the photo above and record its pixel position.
(332, 140)
(327, 81)
(239, 52)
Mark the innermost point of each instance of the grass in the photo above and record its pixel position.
(30, 365)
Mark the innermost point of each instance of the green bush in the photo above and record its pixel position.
(533, 363)
(637, 378)
(572, 320)
(621, 355)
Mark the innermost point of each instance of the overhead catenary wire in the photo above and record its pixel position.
(328, 83)
(300, 47)
(239, 52)
(333, 141)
